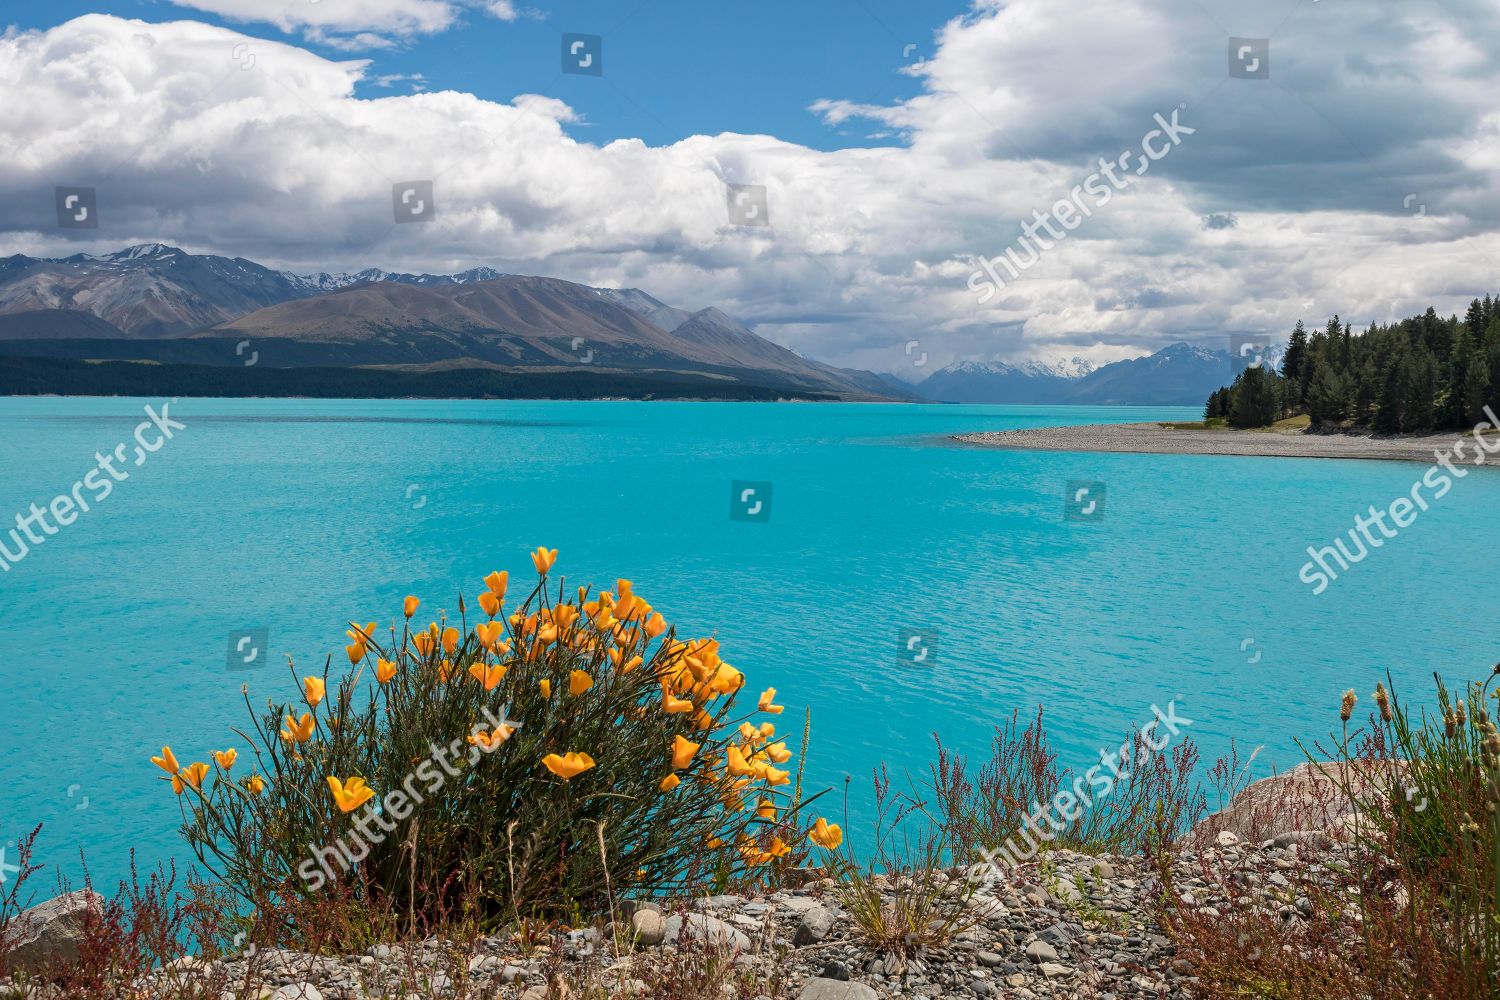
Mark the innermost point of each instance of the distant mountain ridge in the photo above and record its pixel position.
(1181, 374)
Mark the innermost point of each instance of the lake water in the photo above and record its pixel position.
(294, 516)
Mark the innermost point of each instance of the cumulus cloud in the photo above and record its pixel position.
(353, 24)
(197, 135)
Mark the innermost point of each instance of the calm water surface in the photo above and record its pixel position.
(294, 516)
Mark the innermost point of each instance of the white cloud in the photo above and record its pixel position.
(868, 248)
(353, 24)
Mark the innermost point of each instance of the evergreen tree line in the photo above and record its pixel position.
(1421, 374)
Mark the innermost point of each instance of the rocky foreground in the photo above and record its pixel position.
(1070, 926)
(1163, 440)
(1064, 925)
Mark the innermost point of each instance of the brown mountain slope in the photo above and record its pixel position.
(519, 321)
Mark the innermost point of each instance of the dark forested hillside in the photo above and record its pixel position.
(1423, 373)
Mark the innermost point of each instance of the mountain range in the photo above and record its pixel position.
(1181, 374)
(161, 305)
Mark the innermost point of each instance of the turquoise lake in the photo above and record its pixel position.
(294, 516)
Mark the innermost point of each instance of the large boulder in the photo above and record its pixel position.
(48, 935)
(834, 989)
(1310, 798)
(705, 930)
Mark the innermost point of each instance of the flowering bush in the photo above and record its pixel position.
(538, 760)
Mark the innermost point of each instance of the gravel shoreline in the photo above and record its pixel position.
(1151, 438)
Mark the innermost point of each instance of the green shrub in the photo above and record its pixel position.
(540, 760)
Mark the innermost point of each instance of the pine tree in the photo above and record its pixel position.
(1477, 385)
(1293, 363)
(1421, 390)
(1455, 410)
(1492, 351)
(1390, 404)
(1325, 394)
(1475, 319)
(1256, 399)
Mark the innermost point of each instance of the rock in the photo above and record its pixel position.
(1292, 838)
(989, 959)
(297, 991)
(835, 989)
(1309, 797)
(835, 969)
(50, 933)
(706, 929)
(649, 927)
(814, 926)
(1041, 951)
(1066, 893)
(1054, 971)
(1228, 838)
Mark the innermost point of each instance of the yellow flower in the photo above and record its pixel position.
(409, 606)
(655, 626)
(766, 809)
(423, 643)
(490, 603)
(735, 764)
(488, 674)
(543, 558)
(497, 583)
(350, 795)
(826, 835)
(450, 640)
(778, 752)
(579, 681)
(489, 634)
(226, 758)
(361, 635)
(766, 697)
(356, 652)
(314, 690)
(682, 752)
(255, 783)
(489, 741)
(384, 670)
(670, 782)
(617, 659)
(568, 766)
(298, 730)
(564, 615)
(167, 761)
(546, 687)
(672, 705)
(189, 777)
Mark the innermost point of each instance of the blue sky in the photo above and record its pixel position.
(674, 67)
(1355, 169)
